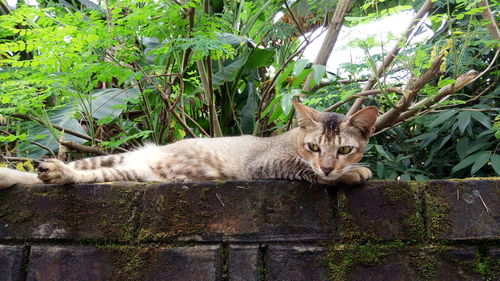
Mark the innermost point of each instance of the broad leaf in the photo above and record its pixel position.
(260, 58)
(468, 161)
(463, 120)
(442, 117)
(481, 118)
(299, 66)
(480, 162)
(104, 102)
(228, 72)
(62, 117)
(495, 162)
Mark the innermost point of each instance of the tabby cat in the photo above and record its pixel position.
(324, 148)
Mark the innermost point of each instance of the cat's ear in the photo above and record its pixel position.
(306, 116)
(364, 120)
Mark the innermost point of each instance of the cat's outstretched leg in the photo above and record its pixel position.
(56, 172)
(10, 177)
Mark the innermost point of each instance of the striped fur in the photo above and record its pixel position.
(287, 156)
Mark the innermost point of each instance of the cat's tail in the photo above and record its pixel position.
(10, 177)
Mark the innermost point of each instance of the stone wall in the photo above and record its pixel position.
(251, 231)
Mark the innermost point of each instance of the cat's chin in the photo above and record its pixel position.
(331, 177)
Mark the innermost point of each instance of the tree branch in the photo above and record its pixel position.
(363, 94)
(343, 7)
(447, 90)
(419, 16)
(67, 131)
(488, 15)
(82, 148)
(392, 115)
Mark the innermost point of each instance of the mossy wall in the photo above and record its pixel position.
(261, 230)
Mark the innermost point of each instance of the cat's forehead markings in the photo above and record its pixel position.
(331, 125)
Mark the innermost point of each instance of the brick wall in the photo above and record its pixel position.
(251, 231)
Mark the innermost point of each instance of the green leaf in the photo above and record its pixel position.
(104, 102)
(299, 66)
(247, 113)
(382, 152)
(468, 161)
(278, 110)
(62, 117)
(260, 58)
(286, 101)
(481, 118)
(319, 72)
(442, 117)
(495, 162)
(462, 146)
(228, 72)
(480, 162)
(300, 78)
(463, 120)
(405, 177)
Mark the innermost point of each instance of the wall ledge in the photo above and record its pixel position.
(255, 230)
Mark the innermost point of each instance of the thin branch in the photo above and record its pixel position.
(363, 94)
(67, 131)
(20, 159)
(296, 22)
(461, 82)
(341, 10)
(82, 148)
(393, 114)
(419, 16)
(488, 15)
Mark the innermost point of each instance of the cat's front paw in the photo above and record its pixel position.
(356, 175)
(56, 172)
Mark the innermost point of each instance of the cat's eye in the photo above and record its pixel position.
(313, 147)
(345, 149)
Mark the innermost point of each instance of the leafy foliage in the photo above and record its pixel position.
(117, 76)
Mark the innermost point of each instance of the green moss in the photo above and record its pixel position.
(341, 258)
(483, 267)
(349, 231)
(436, 211)
(424, 261)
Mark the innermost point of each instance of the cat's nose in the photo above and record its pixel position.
(326, 170)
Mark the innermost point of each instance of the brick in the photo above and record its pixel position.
(296, 263)
(198, 263)
(11, 267)
(76, 212)
(67, 263)
(398, 261)
(458, 264)
(54, 263)
(494, 256)
(380, 210)
(244, 263)
(455, 210)
(238, 211)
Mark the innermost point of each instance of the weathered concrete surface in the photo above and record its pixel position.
(296, 263)
(462, 210)
(11, 263)
(252, 231)
(74, 212)
(82, 263)
(381, 211)
(238, 211)
(245, 263)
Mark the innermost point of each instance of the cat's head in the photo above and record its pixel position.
(331, 143)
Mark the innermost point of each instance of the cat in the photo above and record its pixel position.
(324, 148)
